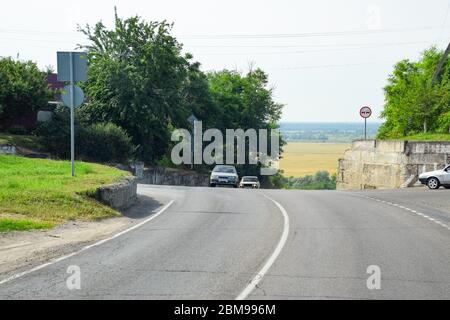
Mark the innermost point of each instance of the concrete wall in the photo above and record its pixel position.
(8, 149)
(172, 177)
(389, 164)
(119, 196)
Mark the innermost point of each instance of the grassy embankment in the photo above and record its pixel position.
(428, 137)
(40, 194)
(302, 158)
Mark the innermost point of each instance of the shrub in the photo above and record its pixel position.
(320, 181)
(18, 130)
(444, 123)
(101, 142)
(106, 142)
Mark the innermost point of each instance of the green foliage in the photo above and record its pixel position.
(320, 181)
(244, 101)
(105, 142)
(137, 80)
(23, 91)
(413, 105)
(444, 123)
(98, 142)
(17, 130)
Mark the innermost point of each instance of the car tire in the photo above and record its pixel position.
(433, 184)
(212, 185)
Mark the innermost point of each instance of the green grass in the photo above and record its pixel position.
(7, 225)
(45, 192)
(428, 137)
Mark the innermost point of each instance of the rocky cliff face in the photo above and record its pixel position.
(377, 164)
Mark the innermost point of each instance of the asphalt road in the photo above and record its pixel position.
(225, 243)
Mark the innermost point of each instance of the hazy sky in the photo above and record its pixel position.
(324, 58)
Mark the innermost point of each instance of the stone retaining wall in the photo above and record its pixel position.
(172, 177)
(8, 149)
(389, 164)
(119, 196)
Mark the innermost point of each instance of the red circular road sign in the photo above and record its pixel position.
(365, 112)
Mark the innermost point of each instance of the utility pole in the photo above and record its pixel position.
(435, 78)
(440, 65)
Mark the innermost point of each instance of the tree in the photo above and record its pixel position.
(139, 80)
(23, 91)
(244, 102)
(136, 80)
(413, 104)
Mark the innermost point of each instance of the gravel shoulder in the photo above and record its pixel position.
(21, 251)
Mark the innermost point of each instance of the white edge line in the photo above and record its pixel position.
(260, 275)
(19, 275)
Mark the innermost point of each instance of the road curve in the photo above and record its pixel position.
(211, 243)
(207, 245)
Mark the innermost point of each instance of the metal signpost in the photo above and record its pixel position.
(192, 120)
(365, 113)
(72, 68)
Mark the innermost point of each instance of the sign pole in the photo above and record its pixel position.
(72, 68)
(72, 116)
(365, 113)
(365, 129)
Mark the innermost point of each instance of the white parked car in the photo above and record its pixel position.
(250, 182)
(224, 176)
(435, 179)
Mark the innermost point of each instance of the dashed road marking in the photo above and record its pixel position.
(440, 223)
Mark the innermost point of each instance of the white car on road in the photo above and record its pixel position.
(224, 176)
(250, 182)
(435, 179)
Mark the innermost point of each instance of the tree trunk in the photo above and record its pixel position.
(425, 126)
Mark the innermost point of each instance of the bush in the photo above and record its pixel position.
(101, 142)
(320, 181)
(106, 142)
(18, 130)
(23, 91)
(444, 123)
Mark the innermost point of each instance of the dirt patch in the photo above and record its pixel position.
(19, 250)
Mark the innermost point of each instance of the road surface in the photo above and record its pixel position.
(227, 243)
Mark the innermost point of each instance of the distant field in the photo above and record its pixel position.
(302, 158)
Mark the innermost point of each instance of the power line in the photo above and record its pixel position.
(312, 51)
(247, 36)
(328, 66)
(320, 45)
(311, 34)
